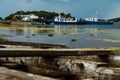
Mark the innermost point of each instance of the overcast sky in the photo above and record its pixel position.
(78, 8)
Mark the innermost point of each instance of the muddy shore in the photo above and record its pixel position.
(57, 68)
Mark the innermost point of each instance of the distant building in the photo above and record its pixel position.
(92, 19)
(27, 17)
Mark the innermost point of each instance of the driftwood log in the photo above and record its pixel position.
(7, 52)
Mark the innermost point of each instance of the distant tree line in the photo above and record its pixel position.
(115, 19)
(0, 18)
(44, 14)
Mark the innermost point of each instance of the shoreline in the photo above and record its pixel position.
(4, 41)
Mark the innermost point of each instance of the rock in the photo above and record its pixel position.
(114, 60)
(104, 73)
(104, 70)
(73, 40)
(50, 35)
(33, 34)
(79, 67)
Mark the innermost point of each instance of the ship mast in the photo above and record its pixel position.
(96, 15)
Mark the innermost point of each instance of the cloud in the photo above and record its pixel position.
(57, 0)
(65, 0)
(77, 8)
(0, 1)
(115, 12)
(28, 1)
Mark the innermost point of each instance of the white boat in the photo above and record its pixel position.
(62, 20)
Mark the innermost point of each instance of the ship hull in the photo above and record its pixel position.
(69, 23)
(84, 23)
(98, 23)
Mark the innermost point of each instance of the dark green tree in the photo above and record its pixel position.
(115, 19)
(0, 18)
(9, 17)
(62, 14)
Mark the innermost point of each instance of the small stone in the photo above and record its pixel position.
(33, 34)
(73, 40)
(50, 35)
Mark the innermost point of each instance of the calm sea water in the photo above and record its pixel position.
(86, 36)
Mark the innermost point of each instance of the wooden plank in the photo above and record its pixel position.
(7, 52)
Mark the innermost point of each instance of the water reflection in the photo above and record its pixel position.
(85, 35)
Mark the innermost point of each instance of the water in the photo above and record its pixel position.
(86, 36)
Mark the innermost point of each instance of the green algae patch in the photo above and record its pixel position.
(99, 31)
(2, 40)
(102, 48)
(105, 40)
(22, 28)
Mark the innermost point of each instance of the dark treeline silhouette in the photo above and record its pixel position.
(45, 14)
(115, 19)
(0, 18)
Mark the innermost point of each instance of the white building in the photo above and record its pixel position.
(28, 17)
(92, 19)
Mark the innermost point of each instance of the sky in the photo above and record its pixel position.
(78, 8)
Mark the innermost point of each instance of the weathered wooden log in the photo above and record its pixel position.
(37, 70)
(47, 72)
(8, 74)
(7, 52)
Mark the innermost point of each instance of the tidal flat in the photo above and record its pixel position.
(86, 36)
